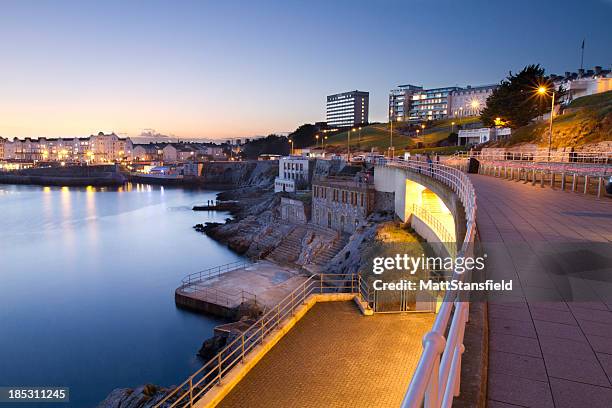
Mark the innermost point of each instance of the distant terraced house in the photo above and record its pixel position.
(100, 148)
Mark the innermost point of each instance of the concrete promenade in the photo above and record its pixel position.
(335, 357)
(550, 340)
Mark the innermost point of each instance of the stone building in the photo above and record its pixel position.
(342, 203)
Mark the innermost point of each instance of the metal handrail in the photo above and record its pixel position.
(437, 226)
(437, 377)
(214, 272)
(213, 371)
(602, 157)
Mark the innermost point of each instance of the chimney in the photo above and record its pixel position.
(597, 70)
(567, 74)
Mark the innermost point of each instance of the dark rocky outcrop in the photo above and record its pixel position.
(145, 396)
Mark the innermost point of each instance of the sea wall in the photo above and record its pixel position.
(103, 175)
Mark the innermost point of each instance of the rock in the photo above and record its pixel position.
(212, 346)
(146, 396)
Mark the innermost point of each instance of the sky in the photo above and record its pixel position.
(216, 69)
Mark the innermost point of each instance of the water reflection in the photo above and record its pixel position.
(87, 282)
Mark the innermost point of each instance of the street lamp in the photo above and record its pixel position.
(317, 142)
(391, 132)
(348, 144)
(291, 141)
(324, 141)
(452, 126)
(359, 140)
(542, 90)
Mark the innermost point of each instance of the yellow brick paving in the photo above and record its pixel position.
(335, 357)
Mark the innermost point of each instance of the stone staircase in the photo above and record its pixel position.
(326, 254)
(289, 249)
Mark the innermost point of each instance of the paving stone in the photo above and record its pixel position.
(513, 313)
(593, 315)
(552, 315)
(563, 331)
(568, 368)
(606, 363)
(514, 344)
(514, 327)
(519, 365)
(600, 344)
(564, 347)
(519, 391)
(571, 394)
(498, 404)
(334, 357)
(598, 329)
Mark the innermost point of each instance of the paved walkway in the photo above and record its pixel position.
(551, 338)
(335, 357)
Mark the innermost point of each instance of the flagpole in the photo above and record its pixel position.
(582, 56)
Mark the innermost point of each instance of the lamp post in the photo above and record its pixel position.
(391, 151)
(291, 141)
(348, 144)
(452, 126)
(317, 142)
(359, 140)
(542, 90)
(324, 141)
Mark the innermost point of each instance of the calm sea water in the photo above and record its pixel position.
(87, 279)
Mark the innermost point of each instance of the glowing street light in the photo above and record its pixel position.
(317, 143)
(348, 144)
(542, 90)
(291, 141)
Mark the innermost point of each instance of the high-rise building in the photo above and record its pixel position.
(415, 104)
(348, 108)
(400, 100)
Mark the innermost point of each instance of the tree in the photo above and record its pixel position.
(516, 101)
(304, 135)
(271, 144)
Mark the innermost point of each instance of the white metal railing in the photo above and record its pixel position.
(587, 178)
(437, 378)
(601, 157)
(438, 227)
(234, 353)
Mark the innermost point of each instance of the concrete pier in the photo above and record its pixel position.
(263, 283)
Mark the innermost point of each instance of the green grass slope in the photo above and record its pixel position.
(378, 136)
(585, 120)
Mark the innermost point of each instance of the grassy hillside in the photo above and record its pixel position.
(586, 120)
(378, 136)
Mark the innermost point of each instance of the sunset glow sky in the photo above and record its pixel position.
(210, 69)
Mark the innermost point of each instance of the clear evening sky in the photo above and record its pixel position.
(214, 69)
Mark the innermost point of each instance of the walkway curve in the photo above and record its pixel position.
(550, 339)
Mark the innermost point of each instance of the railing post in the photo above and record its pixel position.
(533, 177)
(586, 184)
(562, 181)
(262, 330)
(574, 182)
(599, 187)
(191, 391)
(552, 178)
(242, 356)
(219, 368)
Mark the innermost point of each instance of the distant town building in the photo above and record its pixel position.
(583, 82)
(342, 203)
(400, 100)
(416, 104)
(469, 101)
(100, 148)
(148, 152)
(348, 109)
(467, 137)
(292, 171)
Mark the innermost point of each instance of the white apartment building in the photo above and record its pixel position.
(469, 101)
(348, 109)
(291, 171)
